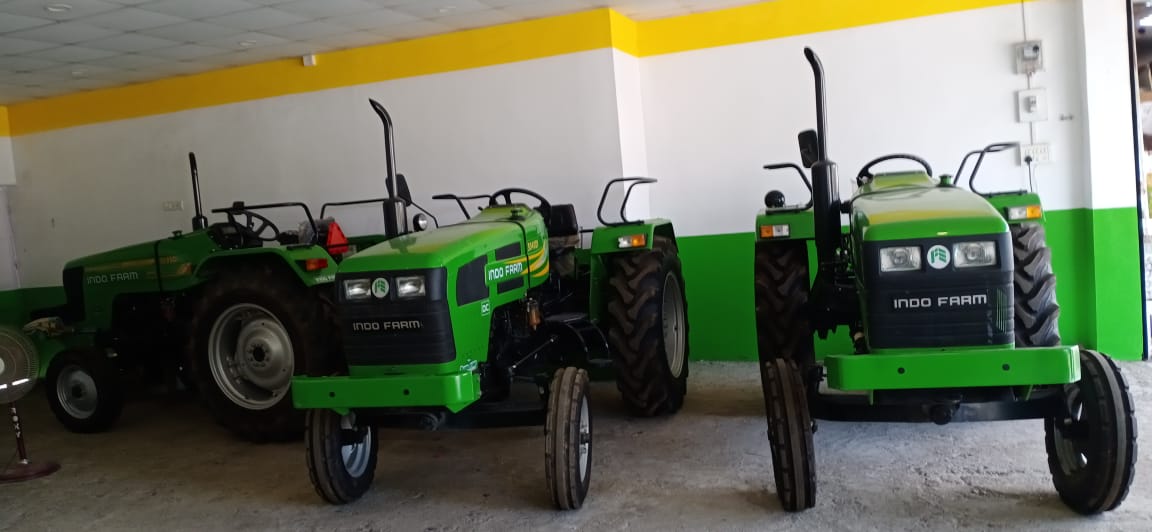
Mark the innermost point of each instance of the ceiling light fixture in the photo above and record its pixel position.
(247, 43)
(446, 9)
(58, 8)
(79, 73)
(1146, 21)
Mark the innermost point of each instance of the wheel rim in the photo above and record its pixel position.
(251, 357)
(1071, 437)
(673, 321)
(585, 439)
(76, 392)
(355, 455)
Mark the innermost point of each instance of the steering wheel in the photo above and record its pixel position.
(506, 194)
(865, 174)
(250, 228)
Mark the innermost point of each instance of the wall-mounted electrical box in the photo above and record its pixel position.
(1029, 57)
(1032, 105)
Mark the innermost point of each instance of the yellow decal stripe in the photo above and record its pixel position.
(783, 18)
(123, 265)
(4, 129)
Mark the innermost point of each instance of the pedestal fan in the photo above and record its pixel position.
(18, 367)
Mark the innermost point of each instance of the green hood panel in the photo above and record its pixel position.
(910, 205)
(492, 228)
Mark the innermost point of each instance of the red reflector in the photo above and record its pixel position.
(311, 265)
(337, 243)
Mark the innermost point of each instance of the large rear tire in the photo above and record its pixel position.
(251, 331)
(789, 434)
(1092, 448)
(648, 329)
(84, 390)
(782, 288)
(341, 455)
(1036, 310)
(568, 439)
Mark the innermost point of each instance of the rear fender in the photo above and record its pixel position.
(778, 226)
(312, 265)
(1004, 202)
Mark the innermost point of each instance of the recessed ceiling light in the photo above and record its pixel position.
(446, 9)
(247, 43)
(58, 8)
(79, 73)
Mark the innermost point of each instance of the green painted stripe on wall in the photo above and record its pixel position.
(1094, 253)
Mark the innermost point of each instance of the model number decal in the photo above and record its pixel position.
(941, 301)
(500, 271)
(112, 277)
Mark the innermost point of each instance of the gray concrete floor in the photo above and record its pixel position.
(167, 467)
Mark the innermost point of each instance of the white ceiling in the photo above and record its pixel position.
(53, 47)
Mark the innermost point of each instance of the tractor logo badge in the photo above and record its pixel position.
(938, 257)
(380, 288)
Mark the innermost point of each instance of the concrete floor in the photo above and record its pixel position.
(167, 467)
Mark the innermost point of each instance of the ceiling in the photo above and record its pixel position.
(54, 47)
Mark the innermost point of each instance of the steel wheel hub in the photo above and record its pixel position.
(355, 455)
(251, 356)
(1071, 435)
(585, 438)
(76, 392)
(673, 320)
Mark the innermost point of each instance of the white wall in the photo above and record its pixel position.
(7, 164)
(549, 124)
(935, 86)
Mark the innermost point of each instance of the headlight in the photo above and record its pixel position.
(900, 259)
(410, 287)
(973, 254)
(357, 289)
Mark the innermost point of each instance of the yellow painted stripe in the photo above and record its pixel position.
(506, 43)
(519, 41)
(783, 18)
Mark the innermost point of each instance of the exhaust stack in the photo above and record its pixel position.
(395, 212)
(825, 193)
(199, 221)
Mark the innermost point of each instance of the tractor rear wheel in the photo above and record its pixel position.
(789, 434)
(648, 329)
(568, 439)
(341, 455)
(1036, 309)
(1092, 447)
(782, 287)
(83, 389)
(251, 331)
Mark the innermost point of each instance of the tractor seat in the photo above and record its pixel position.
(563, 238)
(561, 221)
(330, 235)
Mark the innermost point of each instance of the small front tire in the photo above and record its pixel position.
(341, 455)
(1092, 447)
(789, 434)
(83, 389)
(568, 439)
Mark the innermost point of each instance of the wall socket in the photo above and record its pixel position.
(1040, 153)
(173, 206)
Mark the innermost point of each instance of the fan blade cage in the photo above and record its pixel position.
(19, 365)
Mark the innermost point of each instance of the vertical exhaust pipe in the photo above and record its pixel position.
(825, 193)
(199, 221)
(395, 213)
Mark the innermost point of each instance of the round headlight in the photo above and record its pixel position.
(899, 257)
(420, 222)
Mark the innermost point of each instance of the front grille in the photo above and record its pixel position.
(74, 294)
(388, 331)
(949, 307)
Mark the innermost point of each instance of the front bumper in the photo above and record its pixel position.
(453, 391)
(954, 369)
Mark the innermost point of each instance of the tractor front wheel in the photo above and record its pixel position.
(341, 454)
(789, 434)
(648, 329)
(252, 331)
(1092, 446)
(84, 391)
(568, 439)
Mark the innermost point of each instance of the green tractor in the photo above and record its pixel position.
(231, 309)
(949, 299)
(500, 315)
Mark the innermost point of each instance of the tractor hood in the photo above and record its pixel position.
(910, 205)
(490, 230)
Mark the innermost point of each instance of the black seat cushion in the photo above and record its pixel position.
(562, 220)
